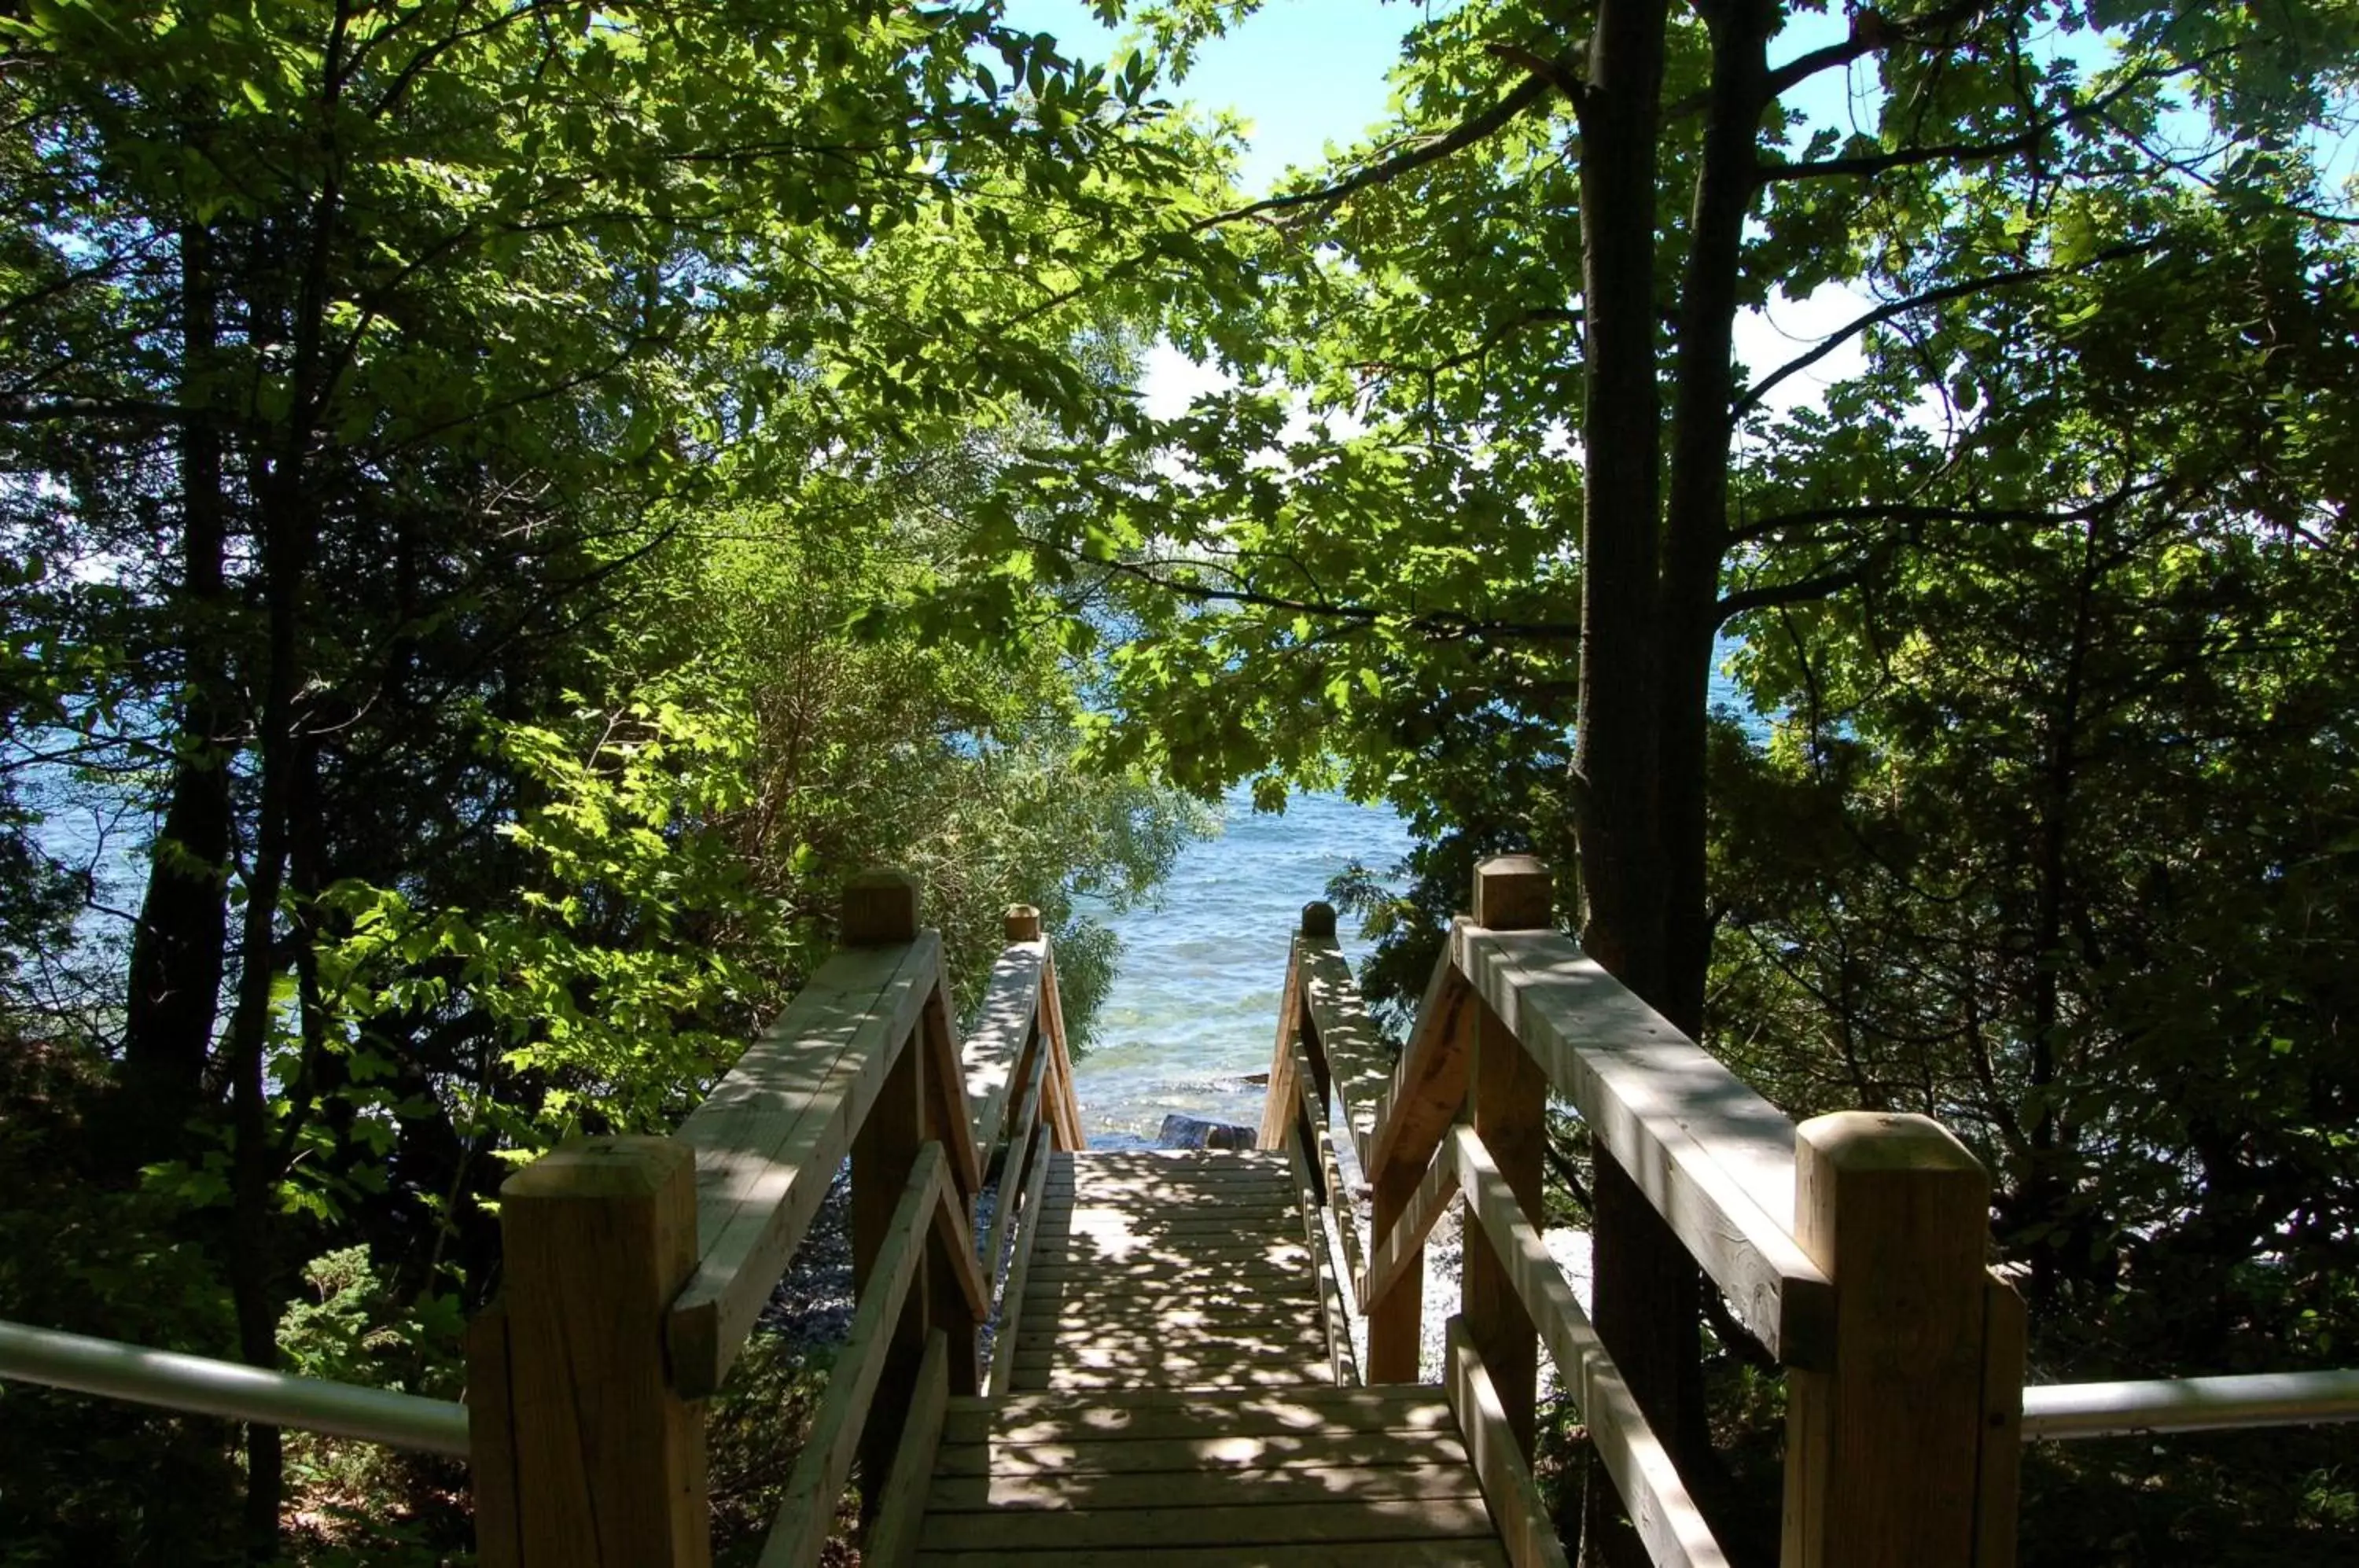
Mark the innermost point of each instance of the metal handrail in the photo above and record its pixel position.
(2064, 1410)
(203, 1386)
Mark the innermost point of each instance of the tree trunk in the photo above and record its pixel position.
(1615, 783)
(175, 978)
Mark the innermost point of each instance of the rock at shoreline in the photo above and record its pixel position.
(1187, 1132)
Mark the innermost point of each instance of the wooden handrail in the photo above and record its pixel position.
(1514, 1013)
(769, 1138)
(807, 1510)
(865, 1062)
(1713, 1157)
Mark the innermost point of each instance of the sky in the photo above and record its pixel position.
(1307, 74)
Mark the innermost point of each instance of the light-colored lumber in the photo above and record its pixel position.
(1014, 1174)
(1201, 1454)
(1656, 1498)
(1170, 1412)
(1998, 1483)
(1498, 1455)
(597, 1237)
(1426, 1553)
(1882, 1451)
(1399, 1258)
(1277, 1102)
(1339, 1201)
(1248, 1270)
(893, 1539)
(807, 1508)
(1236, 1526)
(883, 1154)
(1715, 1160)
(1429, 1081)
(770, 1137)
(1340, 1366)
(1279, 1487)
(1359, 1063)
(994, 1050)
(1066, 1110)
(1507, 1096)
(491, 1440)
(1020, 1270)
(949, 1117)
(878, 906)
(965, 1275)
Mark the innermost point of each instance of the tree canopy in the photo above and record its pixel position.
(506, 504)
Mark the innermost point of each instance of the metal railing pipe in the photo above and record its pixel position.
(2189, 1404)
(203, 1386)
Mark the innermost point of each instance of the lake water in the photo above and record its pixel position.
(1193, 1010)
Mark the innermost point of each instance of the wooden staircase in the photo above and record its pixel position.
(1176, 1400)
(1173, 1374)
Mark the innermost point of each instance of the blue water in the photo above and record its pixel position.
(1194, 1008)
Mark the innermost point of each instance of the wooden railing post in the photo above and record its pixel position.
(606, 1462)
(881, 907)
(1508, 1094)
(1882, 1450)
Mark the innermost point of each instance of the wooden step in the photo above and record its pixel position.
(1157, 1478)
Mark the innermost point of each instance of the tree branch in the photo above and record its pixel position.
(1545, 76)
(1968, 152)
(1907, 512)
(1948, 291)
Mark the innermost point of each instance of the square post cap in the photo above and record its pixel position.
(879, 906)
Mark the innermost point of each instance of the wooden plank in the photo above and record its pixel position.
(1713, 1157)
(597, 1237)
(994, 1050)
(1508, 1098)
(1429, 1081)
(807, 1509)
(958, 1252)
(1209, 1251)
(1340, 1363)
(491, 1440)
(893, 1541)
(1114, 1314)
(949, 1116)
(1152, 1338)
(1498, 1456)
(1400, 1256)
(1166, 1366)
(1174, 1227)
(1015, 1177)
(771, 1135)
(1183, 1489)
(1665, 1515)
(1065, 1109)
(1998, 1479)
(1020, 1270)
(1138, 1455)
(1359, 1061)
(1234, 1526)
(1277, 1100)
(1092, 1379)
(1241, 1282)
(1882, 1452)
(1461, 1553)
(1158, 1413)
(1162, 1159)
(883, 1154)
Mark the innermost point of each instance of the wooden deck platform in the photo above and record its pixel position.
(1175, 1402)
